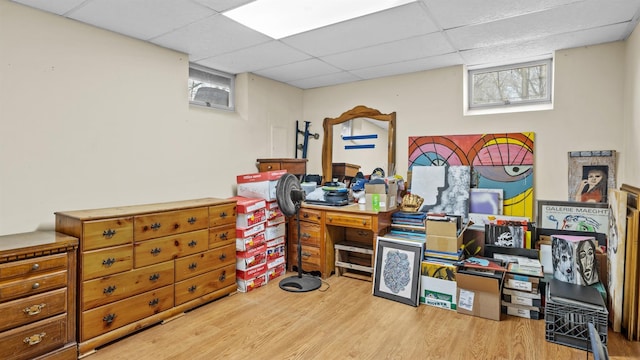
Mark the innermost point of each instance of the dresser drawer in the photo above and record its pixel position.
(310, 257)
(349, 220)
(33, 308)
(311, 215)
(221, 236)
(222, 214)
(98, 263)
(268, 166)
(30, 341)
(32, 285)
(34, 266)
(170, 247)
(309, 233)
(170, 223)
(200, 263)
(198, 286)
(360, 236)
(105, 233)
(112, 316)
(116, 287)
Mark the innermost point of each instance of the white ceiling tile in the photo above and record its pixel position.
(209, 37)
(142, 19)
(270, 54)
(223, 5)
(402, 50)
(57, 7)
(394, 24)
(300, 70)
(411, 66)
(455, 13)
(325, 80)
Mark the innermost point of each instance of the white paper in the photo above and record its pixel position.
(466, 300)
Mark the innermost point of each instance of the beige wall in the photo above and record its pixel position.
(90, 119)
(631, 136)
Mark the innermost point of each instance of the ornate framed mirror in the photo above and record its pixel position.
(335, 125)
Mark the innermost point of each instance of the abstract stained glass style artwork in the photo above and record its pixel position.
(498, 161)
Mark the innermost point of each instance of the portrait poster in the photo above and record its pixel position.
(397, 270)
(575, 216)
(597, 163)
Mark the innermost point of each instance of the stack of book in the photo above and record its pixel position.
(521, 292)
(408, 225)
(482, 266)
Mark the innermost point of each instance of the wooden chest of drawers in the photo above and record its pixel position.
(143, 264)
(37, 296)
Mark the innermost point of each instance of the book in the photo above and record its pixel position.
(516, 268)
(477, 262)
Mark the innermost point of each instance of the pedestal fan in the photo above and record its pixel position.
(289, 195)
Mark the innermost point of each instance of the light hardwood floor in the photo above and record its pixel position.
(342, 320)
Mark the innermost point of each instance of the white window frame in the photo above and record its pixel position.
(230, 87)
(508, 107)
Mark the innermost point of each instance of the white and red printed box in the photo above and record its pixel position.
(246, 205)
(250, 219)
(275, 249)
(275, 231)
(276, 272)
(251, 272)
(252, 257)
(276, 220)
(252, 284)
(250, 211)
(250, 242)
(273, 210)
(259, 185)
(250, 231)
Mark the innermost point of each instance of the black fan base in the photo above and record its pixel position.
(300, 283)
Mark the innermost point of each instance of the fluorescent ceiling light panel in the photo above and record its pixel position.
(282, 18)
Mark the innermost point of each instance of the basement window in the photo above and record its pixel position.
(514, 87)
(211, 88)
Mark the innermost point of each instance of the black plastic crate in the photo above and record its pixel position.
(566, 324)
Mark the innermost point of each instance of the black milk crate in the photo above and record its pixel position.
(566, 324)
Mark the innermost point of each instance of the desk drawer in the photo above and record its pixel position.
(311, 215)
(32, 266)
(310, 257)
(170, 223)
(31, 309)
(108, 289)
(170, 247)
(309, 233)
(98, 263)
(30, 341)
(114, 315)
(105, 233)
(349, 220)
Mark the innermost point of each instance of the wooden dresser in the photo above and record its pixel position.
(37, 296)
(139, 265)
(321, 227)
(296, 167)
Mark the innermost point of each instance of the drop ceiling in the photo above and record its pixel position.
(421, 35)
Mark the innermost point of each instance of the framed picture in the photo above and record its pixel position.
(591, 175)
(397, 270)
(575, 216)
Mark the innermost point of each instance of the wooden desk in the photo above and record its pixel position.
(321, 227)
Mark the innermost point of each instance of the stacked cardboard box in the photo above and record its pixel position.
(479, 282)
(275, 241)
(521, 295)
(251, 255)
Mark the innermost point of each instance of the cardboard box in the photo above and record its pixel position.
(387, 193)
(442, 228)
(276, 220)
(250, 242)
(250, 231)
(442, 236)
(275, 231)
(273, 210)
(252, 284)
(276, 272)
(252, 257)
(252, 272)
(259, 185)
(479, 296)
(250, 219)
(246, 205)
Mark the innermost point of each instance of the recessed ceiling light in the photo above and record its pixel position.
(282, 18)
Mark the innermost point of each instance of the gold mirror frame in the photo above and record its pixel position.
(359, 111)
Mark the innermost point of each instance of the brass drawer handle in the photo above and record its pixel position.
(156, 251)
(34, 309)
(108, 262)
(192, 288)
(330, 219)
(35, 286)
(108, 233)
(192, 243)
(224, 236)
(35, 267)
(305, 235)
(193, 266)
(154, 302)
(223, 215)
(364, 222)
(222, 276)
(192, 220)
(34, 339)
(154, 277)
(305, 215)
(155, 226)
(306, 254)
(109, 318)
(109, 290)
(222, 257)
